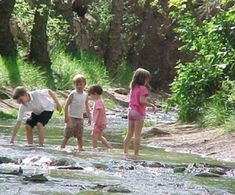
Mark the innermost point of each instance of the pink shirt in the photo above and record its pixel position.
(134, 98)
(99, 105)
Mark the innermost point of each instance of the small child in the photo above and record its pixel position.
(75, 106)
(41, 104)
(136, 112)
(99, 116)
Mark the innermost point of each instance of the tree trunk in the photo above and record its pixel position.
(112, 56)
(39, 41)
(7, 44)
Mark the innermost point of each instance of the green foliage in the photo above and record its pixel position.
(58, 32)
(23, 15)
(148, 123)
(200, 85)
(11, 115)
(229, 124)
(65, 67)
(109, 103)
(20, 73)
(101, 11)
(180, 4)
(124, 74)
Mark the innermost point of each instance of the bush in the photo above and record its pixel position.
(198, 81)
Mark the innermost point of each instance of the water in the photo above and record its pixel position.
(102, 170)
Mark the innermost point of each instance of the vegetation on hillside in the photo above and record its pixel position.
(204, 87)
(199, 34)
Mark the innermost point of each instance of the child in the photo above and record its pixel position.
(41, 105)
(136, 111)
(75, 106)
(99, 117)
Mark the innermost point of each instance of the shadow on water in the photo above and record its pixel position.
(103, 169)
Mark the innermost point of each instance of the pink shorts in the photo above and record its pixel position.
(97, 131)
(134, 115)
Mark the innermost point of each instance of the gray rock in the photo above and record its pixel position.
(117, 189)
(36, 178)
(179, 169)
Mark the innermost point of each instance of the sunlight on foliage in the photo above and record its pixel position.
(65, 67)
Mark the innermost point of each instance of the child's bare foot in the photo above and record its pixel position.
(28, 145)
(136, 157)
(126, 156)
(81, 149)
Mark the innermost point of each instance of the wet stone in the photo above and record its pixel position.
(218, 171)
(154, 132)
(179, 169)
(100, 166)
(207, 174)
(72, 168)
(36, 178)
(117, 189)
(62, 162)
(6, 160)
(156, 165)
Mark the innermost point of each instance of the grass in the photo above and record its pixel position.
(65, 67)
(124, 75)
(18, 72)
(10, 115)
(229, 124)
(214, 115)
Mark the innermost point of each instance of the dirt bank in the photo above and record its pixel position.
(189, 138)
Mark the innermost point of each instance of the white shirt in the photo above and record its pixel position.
(40, 101)
(77, 106)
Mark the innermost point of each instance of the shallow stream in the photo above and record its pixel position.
(102, 172)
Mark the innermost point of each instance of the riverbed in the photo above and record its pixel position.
(70, 171)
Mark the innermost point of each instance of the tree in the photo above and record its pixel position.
(39, 41)
(112, 56)
(7, 44)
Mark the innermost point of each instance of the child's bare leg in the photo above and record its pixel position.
(80, 142)
(41, 133)
(105, 142)
(29, 134)
(64, 142)
(128, 136)
(94, 141)
(138, 129)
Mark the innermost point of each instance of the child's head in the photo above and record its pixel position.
(140, 77)
(20, 95)
(95, 90)
(79, 82)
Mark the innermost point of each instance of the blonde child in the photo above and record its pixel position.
(41, 104)
(136, 111)
(75, 106)
(99, 116)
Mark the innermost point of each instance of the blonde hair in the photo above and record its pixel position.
(79, 78)
(139, 77)
(18, 92)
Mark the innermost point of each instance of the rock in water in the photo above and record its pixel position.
(36, 178)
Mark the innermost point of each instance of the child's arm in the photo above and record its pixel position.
(144, 101)
(66, 108)
(15, 130)
(88, 111)
(99, 120)
(58, 106)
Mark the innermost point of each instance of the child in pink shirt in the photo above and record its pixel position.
(136, 112)
(99, 116)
